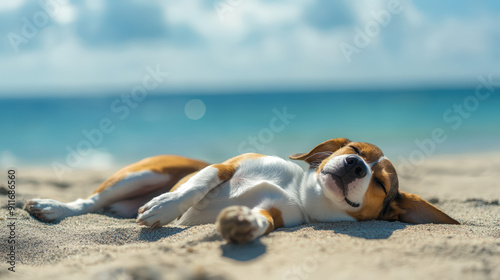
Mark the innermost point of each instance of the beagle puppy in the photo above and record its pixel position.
(251, 194)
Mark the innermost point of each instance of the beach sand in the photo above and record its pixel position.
(97, 246)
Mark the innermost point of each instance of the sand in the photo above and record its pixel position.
(97, 246)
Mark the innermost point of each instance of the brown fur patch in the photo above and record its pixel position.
(392, 213)
(369, 152)
(176, 166)
(419, 211)
(274, 218)
(227, 168)
(321, 151)
(373, 203)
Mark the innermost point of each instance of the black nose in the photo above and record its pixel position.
(351, 160)
(355, 166)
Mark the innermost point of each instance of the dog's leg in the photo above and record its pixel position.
(121, 188)
(144, 179)
(49, 210)
(240, 224)
(165, 208)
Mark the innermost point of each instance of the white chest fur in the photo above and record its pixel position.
(317, 206)
(268, 182)
(263, 182)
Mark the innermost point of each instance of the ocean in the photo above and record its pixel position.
(110, 130)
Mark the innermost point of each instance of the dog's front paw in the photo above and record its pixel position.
(160, 210)
(47, 210)
(237, 224)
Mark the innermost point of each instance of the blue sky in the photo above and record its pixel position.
(97, 46)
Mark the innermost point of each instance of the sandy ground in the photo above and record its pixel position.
(96, 246)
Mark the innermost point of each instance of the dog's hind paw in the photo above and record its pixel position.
(47, 210)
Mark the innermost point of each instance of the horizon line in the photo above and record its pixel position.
(224, 90)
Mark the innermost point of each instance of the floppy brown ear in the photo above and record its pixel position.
(322, 151)
(415, 210)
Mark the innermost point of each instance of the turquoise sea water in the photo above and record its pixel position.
(41, 131)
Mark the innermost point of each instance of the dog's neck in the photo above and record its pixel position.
(317, 207)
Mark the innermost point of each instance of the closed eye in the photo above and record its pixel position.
(356, 150)
(380, 184)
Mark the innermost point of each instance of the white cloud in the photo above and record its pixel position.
(66, 14)
(11, 5)
(260, 43)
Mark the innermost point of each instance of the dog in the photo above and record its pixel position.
(251, 194)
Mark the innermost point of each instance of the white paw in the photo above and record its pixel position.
(161, 210)
(47, 210)
(237, 224)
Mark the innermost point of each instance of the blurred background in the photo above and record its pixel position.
(100, 84)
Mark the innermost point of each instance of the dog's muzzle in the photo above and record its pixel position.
(352, 168)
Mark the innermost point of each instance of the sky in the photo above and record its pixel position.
(94, 46)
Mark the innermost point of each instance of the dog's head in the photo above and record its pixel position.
(361, 181)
